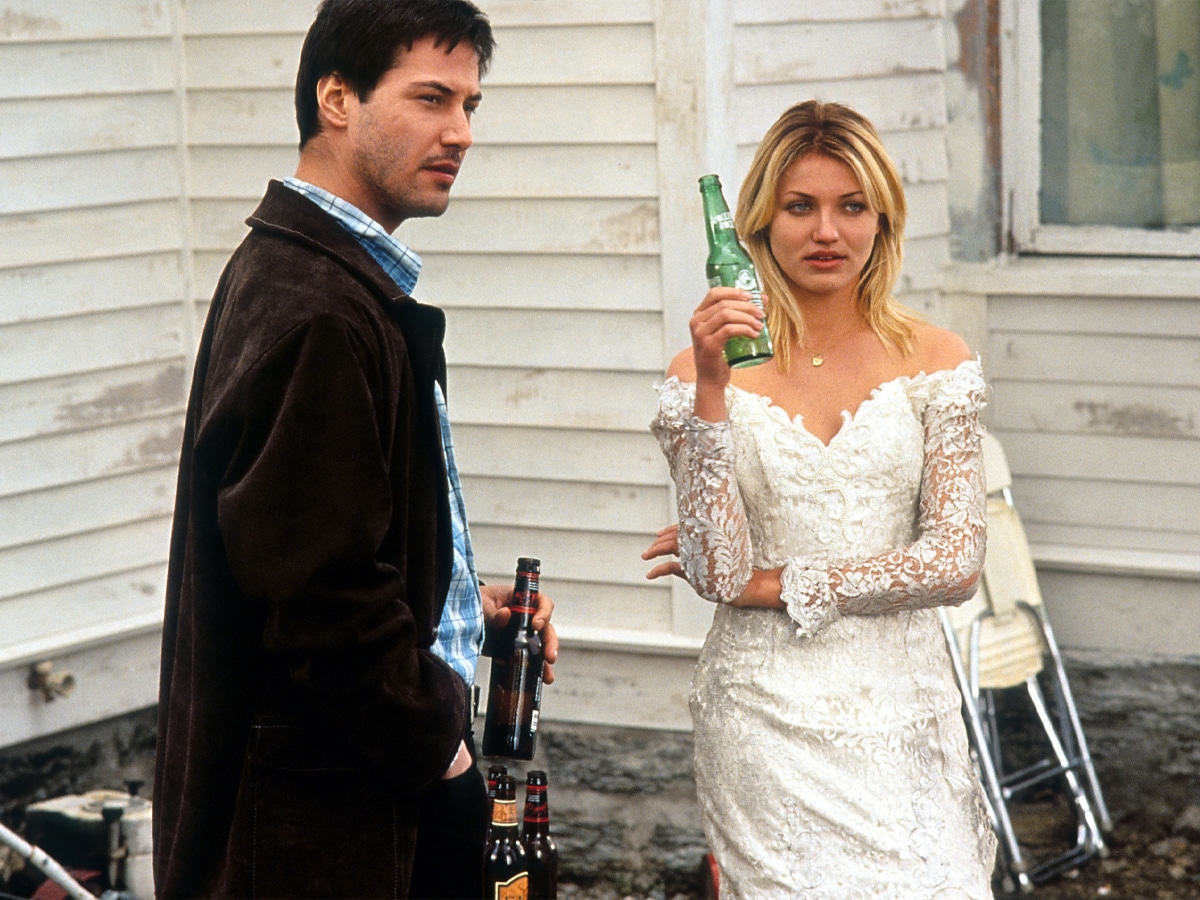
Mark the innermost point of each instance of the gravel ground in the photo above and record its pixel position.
(1150, 858)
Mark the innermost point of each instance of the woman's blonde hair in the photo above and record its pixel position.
(837, 131)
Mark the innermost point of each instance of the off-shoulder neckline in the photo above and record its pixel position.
(900, 382)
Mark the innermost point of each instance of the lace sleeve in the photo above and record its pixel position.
(940, 568)
(714, 539)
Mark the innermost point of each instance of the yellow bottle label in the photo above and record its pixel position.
(516, 888)
(504, 812)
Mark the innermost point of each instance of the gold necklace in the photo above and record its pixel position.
(818, 359)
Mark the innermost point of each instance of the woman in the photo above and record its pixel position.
(829, 499)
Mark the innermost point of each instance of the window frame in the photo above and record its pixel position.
(1021, 116)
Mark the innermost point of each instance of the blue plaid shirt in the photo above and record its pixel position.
(460, 631)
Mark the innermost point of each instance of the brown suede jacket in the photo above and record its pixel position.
(300, 711)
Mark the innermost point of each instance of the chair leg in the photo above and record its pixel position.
(1089, 838)
(1085, 756)
(993, 792)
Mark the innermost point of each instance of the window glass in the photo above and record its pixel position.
(1120, 140)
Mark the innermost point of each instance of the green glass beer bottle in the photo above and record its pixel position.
(729, 266)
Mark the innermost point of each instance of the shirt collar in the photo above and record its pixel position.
(397, 259)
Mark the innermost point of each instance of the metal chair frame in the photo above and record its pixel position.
(1013, 602)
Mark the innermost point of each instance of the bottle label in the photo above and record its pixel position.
(533, 720)
(723, 221)
(516, 888)
(504, 812)
(524, 602)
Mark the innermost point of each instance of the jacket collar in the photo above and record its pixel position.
(292, 216)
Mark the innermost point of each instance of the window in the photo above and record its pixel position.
(1102, 126)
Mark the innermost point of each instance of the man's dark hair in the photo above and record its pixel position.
(361, 40)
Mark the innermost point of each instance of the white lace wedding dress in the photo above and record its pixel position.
(831, 756)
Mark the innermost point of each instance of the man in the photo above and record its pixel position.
(323, 617)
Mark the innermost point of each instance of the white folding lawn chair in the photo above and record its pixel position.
(999, 640)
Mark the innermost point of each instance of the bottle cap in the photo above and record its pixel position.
(529, 564)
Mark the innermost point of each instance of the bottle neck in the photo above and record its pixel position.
(717, 217)
(525, 599)
(537, 812)
(504, 816)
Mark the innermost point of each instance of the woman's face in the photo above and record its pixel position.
(823, 229)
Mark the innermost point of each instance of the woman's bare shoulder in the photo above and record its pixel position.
(683, 366)
(938, 348)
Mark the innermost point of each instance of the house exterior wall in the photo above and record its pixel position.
(141, 133)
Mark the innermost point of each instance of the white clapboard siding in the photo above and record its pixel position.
(521, 56)
(39, 20)
(572, 506)
(1097, 403)
(87, 67)
(577, 555)
(30, 409)
(508, 13)
(768, 54)
(612, 457)
(1116, 315)
(557, 170)
(94, 340)
(604, 606)
(88, 285)
(103, 340)
(53, 126)
(238, 62)
(30, 185)
(895, 103)
(147, 135)
(546, 280)
(555, 339)
(88, 506)
(32, 567)
(552, 397)
(1113, 409)
(538, 226)
(237, 17)
(537, 114)
(90, 233)
(68, 457)
(775, 11)
(1157, 508)
(223, 172)
(1093, 358)
(39, 626)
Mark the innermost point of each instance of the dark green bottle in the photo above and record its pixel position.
(729, 266)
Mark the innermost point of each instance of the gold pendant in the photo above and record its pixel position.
(818, 359)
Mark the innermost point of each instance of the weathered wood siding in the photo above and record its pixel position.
(93, 347)
(1095, 374)
(885, 58)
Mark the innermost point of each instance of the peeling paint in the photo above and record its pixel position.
(1136, 419)
(23, 25)
(635, 230)
(155, 450)
(164, 391)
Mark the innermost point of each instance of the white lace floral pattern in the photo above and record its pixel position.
(835, 764)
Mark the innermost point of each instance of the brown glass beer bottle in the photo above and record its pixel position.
(505, 873)
(540, 853)
(515, 692)
(494, 773)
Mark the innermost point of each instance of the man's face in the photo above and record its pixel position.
(407, 141)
